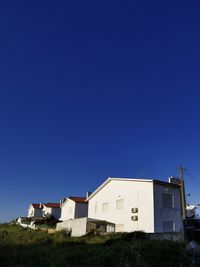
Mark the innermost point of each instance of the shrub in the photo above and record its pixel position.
(22, 247)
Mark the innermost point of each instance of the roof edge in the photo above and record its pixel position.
(72, 198)
(163, 183)
(154, 181)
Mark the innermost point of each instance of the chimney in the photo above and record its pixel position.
(61, 202)
(40, 205)
(174, 180)
(88, 194)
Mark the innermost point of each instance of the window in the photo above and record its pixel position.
(167, 200)
(168, 226)
(95, 209)
(110, 228)
(105, 207)
(120, 204)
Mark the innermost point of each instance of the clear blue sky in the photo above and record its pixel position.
(91, 89)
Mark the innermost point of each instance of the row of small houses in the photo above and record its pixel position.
(119, 205)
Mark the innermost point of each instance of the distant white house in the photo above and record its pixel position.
(51, 209)
(73, 208)
(192, 211)
(35, 210)
(137, 205)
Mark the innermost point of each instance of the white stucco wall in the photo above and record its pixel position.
(64, 225)
(135, 195)
(68, 210)
(72, 210)
(77, 226)
(53, 211)
(167, 214)
(46, 210)
(32, 212)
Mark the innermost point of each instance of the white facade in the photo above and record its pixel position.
(193, 211)
(77, 227)
(47, 210)
(136, 205)
(35, 210)
(82, 226)
(72, 209)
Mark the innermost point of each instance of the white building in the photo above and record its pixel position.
(192, 211)
(35, 210)
(137, 205)
(84, 225)
(73, 208)
(51, 209)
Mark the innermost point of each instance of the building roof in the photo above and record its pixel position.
(37, 206)
(78, 199)
(52, 205)
(75, 199)
(166, 184)
(131, 180)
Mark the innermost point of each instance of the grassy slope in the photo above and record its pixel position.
(24, 247)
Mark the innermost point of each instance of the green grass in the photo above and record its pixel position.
(25, 247)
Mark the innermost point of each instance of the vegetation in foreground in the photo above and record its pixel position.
(21, 247)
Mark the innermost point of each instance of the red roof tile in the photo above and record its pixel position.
(78, 199)
(52, 205)
(37, 206)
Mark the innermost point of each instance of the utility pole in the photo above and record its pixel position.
(183, 201)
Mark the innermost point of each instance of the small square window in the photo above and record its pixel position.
(120, 204)
(105, 207)
(167, 200)
(95, 209)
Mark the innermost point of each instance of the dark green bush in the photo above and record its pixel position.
(21, 247)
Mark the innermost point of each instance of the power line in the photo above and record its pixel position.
(193, 178)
